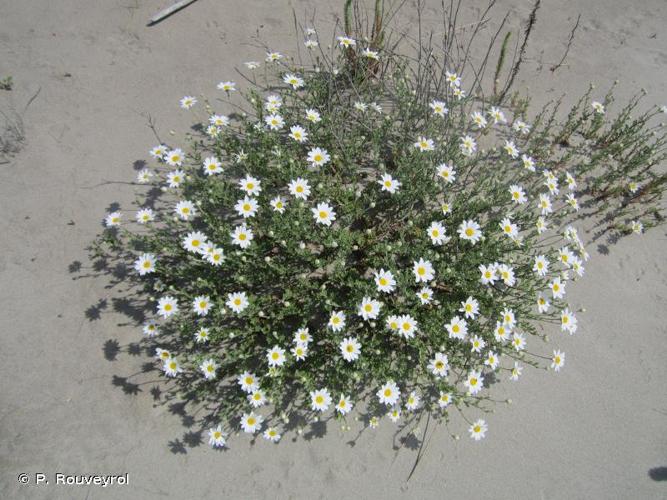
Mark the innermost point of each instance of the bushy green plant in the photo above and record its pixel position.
(363, 230)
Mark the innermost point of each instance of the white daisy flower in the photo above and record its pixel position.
(242, 236)
(541, 266)
(407, 326)
(171, 367)
(273, 103)
(469, 230)
(195, 242)
(439, 108)
(436, 231)
(276, 356)
(528, 163)
(250, 185)
(344, 405)
(158, 152)
(145, 264)
(492, 360)
(324, 214)
(478, 429)
(237, 301)
(511, 149)
(518, 194)
(439, 365)
(251, 422)
(300, 351)
(337, 321)
(497, 115)
(521, 127)
(216, 438)
(468, 145)
(385, 282)
(151, 328)
(175, 178)
(278, 204)
(389, 393)
(273, 56)
(188, 101)
(413, 401)
(299, 188)
(247, 207)
(186, 210)
(201, 305)
(598, 107)
(144, 176)
(302, 336)
(113, 219)
(637, 227)
(457, 328)
(227, 86)
(274, 121)
(425, 295)
(371, 54)
(298, 133)
(423, 270)
(453, 79)
(295, 81)
(470, 308)
(167, 306)
(389, 184)
(542, 304)
(162, 354)
(174, 157)
(346, 42)
(489, 274)
(350, 348)
(312, 115)
(477, 344)
(219, 120)
(445, 399)
(394, 414)
(208, 367)
(518, 341)
(320, 400)
(446, 172)
(474, 382)
(424, 144)
(501, 333)
(318, 157)
(311, 44)
(369, 308)
(360, 106)
(557, 288)
(516, 372)
(568, 321)
(248, 382)
(557, 361)
(202, 335)
(271, 434)
(479, 120)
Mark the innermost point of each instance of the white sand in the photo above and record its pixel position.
(593, 431)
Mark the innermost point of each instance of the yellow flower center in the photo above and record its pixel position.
(319, 399)
(202, 304)
(473, 381)
(242, 236)
(323, 214)
(368, 308)
(421, 271)
(469, 232)
(387, 393)
(251, 421)
(349, 348)
(237, 302)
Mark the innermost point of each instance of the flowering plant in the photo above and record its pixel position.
(361, 231)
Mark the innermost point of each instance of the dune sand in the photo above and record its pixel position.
(596, 430)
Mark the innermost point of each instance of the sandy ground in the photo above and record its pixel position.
(596, 430)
